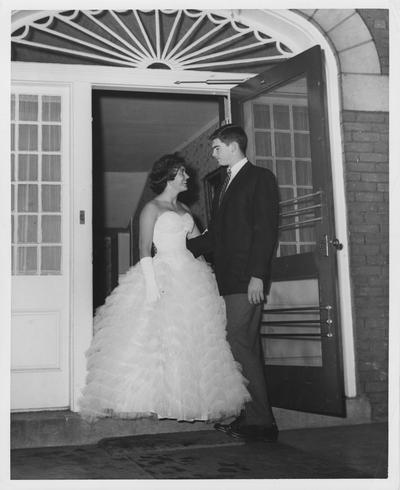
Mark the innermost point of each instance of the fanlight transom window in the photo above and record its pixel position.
(164, 39)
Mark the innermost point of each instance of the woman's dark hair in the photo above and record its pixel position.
(229, 133)
(165, 169)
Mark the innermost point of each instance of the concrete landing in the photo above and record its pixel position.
(63, 428)
(350, 453)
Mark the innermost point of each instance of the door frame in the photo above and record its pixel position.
(82, 81)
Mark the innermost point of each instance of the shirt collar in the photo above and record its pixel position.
(238, 165)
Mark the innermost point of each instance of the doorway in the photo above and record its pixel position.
(81, 85)
(130, 131)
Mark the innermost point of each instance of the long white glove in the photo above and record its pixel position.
(152, 292)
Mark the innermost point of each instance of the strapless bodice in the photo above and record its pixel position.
(170, 231)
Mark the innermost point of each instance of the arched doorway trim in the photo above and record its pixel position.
(298, 32)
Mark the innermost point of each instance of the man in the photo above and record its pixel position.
(242, 235)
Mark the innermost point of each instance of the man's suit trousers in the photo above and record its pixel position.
(243, 335)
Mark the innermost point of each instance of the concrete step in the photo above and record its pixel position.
(64, 428)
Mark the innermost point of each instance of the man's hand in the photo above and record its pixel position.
(255, 291)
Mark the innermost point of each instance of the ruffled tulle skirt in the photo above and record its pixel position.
(169, 359)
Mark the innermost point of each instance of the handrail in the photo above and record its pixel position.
(295, 200)
(291, 323)
(296, 309)
(299, 323)
(299, 211)
(299, 336)
(298, 224)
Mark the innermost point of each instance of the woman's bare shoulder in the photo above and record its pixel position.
(150, 209)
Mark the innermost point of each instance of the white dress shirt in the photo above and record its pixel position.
(235, 169)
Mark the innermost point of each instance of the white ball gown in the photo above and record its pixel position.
(169, 359)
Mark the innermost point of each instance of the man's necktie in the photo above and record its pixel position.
(224, 185)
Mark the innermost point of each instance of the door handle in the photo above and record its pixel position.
(335, 242)
(326, 241)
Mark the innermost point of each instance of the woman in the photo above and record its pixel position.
(159, 347)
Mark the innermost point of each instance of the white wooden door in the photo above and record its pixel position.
(40, 325)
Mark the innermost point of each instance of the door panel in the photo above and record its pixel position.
(283, 113)
(280, 349)
(40, 247)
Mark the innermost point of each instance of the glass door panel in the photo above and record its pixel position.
(283, 113)
(279, 139)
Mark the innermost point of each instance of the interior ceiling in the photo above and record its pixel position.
(132, 130)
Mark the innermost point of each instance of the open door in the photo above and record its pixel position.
(283, 113)
(40, 249)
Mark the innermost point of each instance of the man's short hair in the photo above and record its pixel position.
(229, 133)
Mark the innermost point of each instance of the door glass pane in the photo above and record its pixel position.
(283, 144)
(51, 197)
(278, 128)
(12, 143)
(51, 108)
(12, 167)
(27, 228)
(302, 145)
(263, 144)
(51, 138)
(28, 137)
(265, 163)
(291, 335)
(51, 168)
(12, 108)
(287, 249)
(28, 167)
(28, 107)
(27, 260)
(303, 173)
(284, 171)
(27, 197)
(51, 229)
(51, 260)
(281, 116)
(300, 118)
(12, 197)
(36, 183)
(261, 116)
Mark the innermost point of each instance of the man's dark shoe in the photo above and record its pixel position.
(228, 428)
(255, 433)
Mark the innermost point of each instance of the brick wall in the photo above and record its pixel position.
(366, 176)
(377, 21)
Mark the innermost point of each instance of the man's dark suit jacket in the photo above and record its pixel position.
(242, 232)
